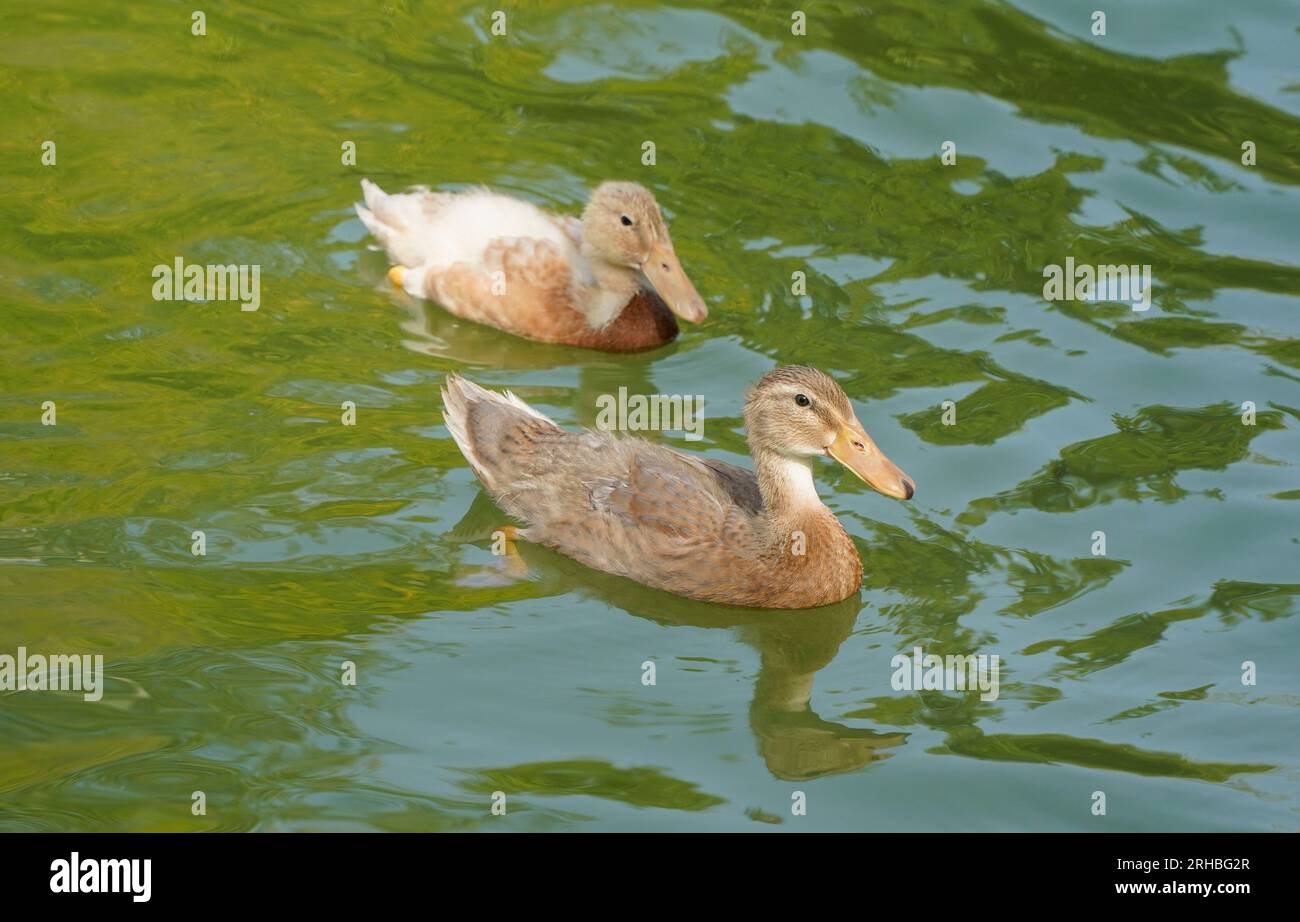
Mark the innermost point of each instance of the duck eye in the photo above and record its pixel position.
(802, 400)
(627, 222)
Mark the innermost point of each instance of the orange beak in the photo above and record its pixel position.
(855, 450)
(669, 280)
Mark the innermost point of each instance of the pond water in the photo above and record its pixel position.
(1121, 672)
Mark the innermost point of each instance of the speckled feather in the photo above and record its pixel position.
(695, 527)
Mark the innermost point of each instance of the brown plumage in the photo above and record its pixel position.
(609, 281)
(692, 526)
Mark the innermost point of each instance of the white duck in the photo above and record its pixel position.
(608, 281)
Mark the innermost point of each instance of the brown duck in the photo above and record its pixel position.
(608, 281)
(692, 526)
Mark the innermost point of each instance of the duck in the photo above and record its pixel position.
(610, 280)
(690, 525)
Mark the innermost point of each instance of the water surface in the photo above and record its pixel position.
(776, 154)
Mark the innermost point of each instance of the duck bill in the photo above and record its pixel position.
(665, 273)
(855, 450)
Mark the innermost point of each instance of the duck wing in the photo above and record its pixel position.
(739, 483)
(625, 506)
(521, 285)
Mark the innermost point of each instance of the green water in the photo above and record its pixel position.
(1121, 673)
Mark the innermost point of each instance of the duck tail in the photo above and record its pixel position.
(372, 214)
(479, 419)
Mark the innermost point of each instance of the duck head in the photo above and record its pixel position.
(798, 413)
(623, 227)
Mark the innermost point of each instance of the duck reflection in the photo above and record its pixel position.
(795, 743)
(431, 330)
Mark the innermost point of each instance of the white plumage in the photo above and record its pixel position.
(423, 229)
